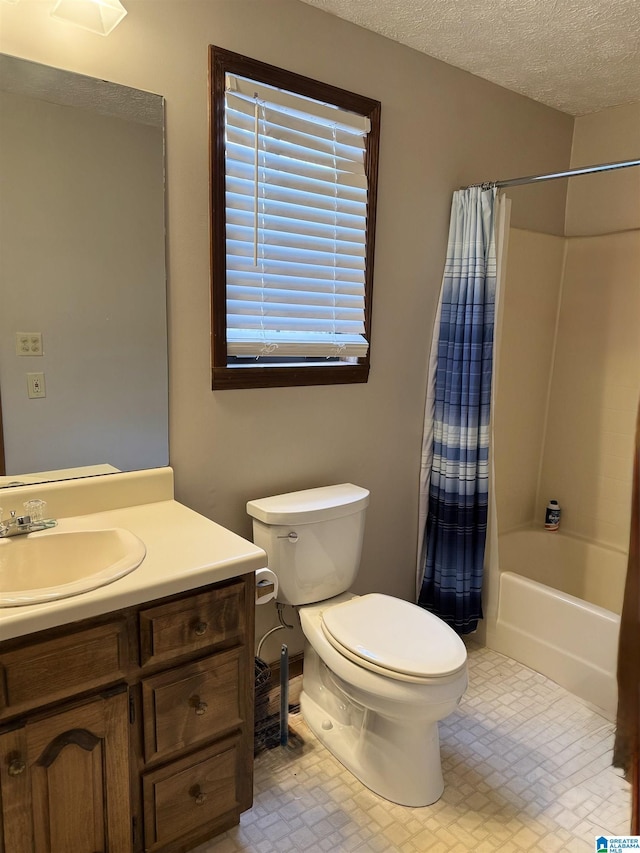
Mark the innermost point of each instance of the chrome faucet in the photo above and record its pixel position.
(18, 525)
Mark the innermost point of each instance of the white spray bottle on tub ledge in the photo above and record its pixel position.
(552, 516)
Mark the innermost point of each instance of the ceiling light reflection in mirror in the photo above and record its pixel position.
(96, 16)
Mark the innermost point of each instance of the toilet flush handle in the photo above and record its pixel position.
(292, 537)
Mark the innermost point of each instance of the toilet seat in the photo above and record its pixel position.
(394, 638)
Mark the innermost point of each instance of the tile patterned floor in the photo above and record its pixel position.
(526, 768)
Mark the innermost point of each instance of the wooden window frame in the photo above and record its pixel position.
(262, 375)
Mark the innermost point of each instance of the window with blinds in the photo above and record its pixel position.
(293, 213)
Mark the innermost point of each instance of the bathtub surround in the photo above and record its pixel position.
(570, 376)
(569, 382)
(457, 416)
(559, 608)
(564, 421)
(529, 317)
(573, 566)
(594, 388)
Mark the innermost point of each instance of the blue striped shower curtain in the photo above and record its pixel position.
(457, 437)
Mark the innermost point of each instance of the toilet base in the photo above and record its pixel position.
(395, 758)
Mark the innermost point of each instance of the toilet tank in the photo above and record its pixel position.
(313, 539)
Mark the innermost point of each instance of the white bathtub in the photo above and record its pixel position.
(559, 608)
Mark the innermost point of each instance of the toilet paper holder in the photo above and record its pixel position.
(266, 586)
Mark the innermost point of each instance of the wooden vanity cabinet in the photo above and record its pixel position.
(130, 732)
(65, 780)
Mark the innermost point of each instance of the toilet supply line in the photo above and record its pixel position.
(283, 624)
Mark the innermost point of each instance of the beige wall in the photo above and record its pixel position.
(441, 128)
(607, 202)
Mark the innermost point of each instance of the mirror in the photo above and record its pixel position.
(83, 339)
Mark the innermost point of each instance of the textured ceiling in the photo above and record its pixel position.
(578, 56)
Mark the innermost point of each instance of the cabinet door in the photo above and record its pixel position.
(64, 781)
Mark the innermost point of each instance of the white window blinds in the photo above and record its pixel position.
(296, 208)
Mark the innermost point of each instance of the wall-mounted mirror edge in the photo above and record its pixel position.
(82, 276)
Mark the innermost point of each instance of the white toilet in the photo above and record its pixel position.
(378, 672)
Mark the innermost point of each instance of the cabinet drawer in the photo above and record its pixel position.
(192, 623)
(186, 796)
(54, 669)
(191, 704)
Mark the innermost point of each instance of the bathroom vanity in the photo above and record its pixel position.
(126, 713)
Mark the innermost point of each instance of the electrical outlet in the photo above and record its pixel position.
(35, 385)
(28, 343)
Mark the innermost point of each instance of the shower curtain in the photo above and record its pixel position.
(455, 460)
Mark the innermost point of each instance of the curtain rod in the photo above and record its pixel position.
(532, 179)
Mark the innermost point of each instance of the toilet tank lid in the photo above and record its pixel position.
(310, 505)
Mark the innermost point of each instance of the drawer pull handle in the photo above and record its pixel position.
(16, 767)
(198, 705)
(201, 629)
(198, 795)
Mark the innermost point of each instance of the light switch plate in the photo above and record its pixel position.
(28, 343)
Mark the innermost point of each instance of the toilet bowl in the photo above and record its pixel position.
(379, 672)
(380, 724)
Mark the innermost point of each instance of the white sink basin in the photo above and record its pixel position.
(55, 563)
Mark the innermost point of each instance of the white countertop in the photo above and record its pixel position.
(185, 551)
